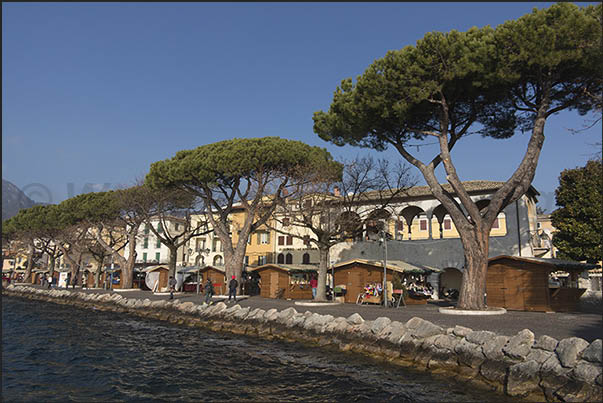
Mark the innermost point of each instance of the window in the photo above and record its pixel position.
(158, 243)
(281, 240)
(249, 239)
(423, 225)
(289, 240)
(200, 244)
(159, 227)
(286, 222)
(280, 259)
(447, 224)
(306, 258)
(146, 229)
(218, 260)
(307, 204)
(145, 243)
(307, 241)
(538, 225)
(246, 260)
(264, 238)
(158, 257)
(261, 260)
(144, 257)
(289, 258)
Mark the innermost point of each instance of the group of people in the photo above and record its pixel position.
(208, 289)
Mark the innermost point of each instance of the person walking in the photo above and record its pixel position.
(209, 291)
(313, 284)
(232, 288)
(67, 280)
(172, 283)
(49, 281)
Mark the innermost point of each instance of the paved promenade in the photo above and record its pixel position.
(557, 325)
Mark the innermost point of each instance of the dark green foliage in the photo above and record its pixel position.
(578, 220)
(225, 163)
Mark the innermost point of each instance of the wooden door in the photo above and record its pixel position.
(514, 283)
(163, 279)
(354, 285)
(273, 284)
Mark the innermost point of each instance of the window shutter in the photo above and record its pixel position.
(281, 240)
(289, 240)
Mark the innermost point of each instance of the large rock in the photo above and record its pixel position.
(469, 354)
(286, 314)
(586, 372)
(553, 375)
(446, 342)
(519, 346)
(420, 328)
(379, 324)
(494, 349)
(546, 343)
(594, 352)
(569, 350)
(335, 325)
(241, 313)
(523, 378)
(355, 319)
(540, 356)
(397, 330)
(480, 337)
(270, 314)
(297, 320)
(494, 371)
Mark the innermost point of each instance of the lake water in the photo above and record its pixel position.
(60, 353)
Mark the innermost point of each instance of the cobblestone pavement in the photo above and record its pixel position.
(558, 325)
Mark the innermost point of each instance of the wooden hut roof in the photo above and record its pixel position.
(220, 268)
(395, 265)
(286, 267)
(153, 268)
(547, 263)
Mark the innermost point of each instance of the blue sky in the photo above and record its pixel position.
(93, 93)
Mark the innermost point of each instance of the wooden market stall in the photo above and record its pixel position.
(217, 274)
(522, 284)
(355, 274)
(286, 281)
(157, 277)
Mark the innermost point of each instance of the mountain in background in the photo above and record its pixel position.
(13, 200)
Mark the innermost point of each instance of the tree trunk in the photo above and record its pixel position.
(323, 266)
(30, 252)
(473, 287)
(127, 271)
(234, 265)
(51, 264)
(98, 272)
(172, 260)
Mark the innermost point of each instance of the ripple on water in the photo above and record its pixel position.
(60, 353)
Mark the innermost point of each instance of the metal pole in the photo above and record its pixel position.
(385, 271)
(111, 276)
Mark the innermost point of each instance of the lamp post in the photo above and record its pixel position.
(384, 241)
(111, 276)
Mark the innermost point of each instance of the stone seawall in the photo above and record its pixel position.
(542, 369)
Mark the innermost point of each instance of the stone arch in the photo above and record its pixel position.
(439, 213)
(450, 278)
(288, 258)
(350, 224)
(280, 259)
(377, 221)
(409, 214)
(218, 260)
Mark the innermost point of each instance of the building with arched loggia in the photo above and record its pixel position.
(423, 233)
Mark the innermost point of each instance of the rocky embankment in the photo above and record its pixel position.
(542, 369)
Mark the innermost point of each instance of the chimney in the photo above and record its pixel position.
(336, 191)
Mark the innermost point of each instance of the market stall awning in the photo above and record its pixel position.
(287, 267)
(547, 263)
(153, 268)
(188, 269)
(399, 266)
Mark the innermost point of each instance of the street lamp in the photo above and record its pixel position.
(384, 241)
